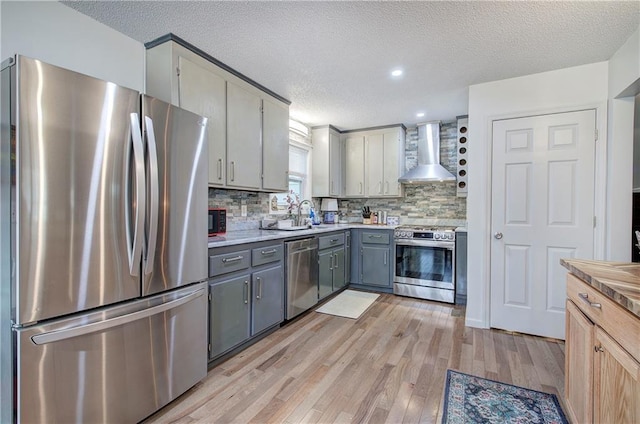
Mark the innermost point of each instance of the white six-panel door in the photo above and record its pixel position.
(542, 210)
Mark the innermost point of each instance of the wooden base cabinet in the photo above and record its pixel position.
(602, 372)
(616, 391)
(578, 384)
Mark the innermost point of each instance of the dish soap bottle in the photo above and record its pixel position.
(315, 218)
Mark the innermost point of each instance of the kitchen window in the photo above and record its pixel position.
(299, 169)
(299, 159)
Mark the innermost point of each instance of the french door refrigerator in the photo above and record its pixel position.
(104, 248)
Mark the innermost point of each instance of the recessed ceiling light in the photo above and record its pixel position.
(396, 72)
(420, 114)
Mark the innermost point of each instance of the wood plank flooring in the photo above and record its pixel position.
(388, 366)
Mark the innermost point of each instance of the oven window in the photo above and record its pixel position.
(424, 263)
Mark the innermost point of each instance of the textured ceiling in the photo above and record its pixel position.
(333, 59)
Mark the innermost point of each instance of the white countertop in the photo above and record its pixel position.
(250, 236)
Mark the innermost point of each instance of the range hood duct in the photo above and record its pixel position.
(429, 168)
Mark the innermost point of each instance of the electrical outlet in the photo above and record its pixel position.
(243, 210)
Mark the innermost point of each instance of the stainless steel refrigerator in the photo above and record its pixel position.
(104, 248)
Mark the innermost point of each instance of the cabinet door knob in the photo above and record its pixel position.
(498, 235)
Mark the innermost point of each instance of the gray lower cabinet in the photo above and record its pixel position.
(372, 259)
(228, 313)
(246, 293)
(267, 302)
(331, 264)
(325, 269)
(375, 265)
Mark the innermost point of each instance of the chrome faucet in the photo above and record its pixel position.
(300, 210)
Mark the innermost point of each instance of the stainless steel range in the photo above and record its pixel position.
(425, 263)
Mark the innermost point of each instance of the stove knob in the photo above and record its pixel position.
(436, 236)
(451, 236)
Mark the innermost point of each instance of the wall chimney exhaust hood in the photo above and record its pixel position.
(429, 168)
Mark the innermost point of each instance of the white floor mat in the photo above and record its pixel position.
(349, 304)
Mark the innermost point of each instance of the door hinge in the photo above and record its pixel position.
(177, 71)
(596, 134)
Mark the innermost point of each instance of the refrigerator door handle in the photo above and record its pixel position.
(135, 246)
(67, 333)
(154, 196)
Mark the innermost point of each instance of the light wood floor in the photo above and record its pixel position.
(388, 366)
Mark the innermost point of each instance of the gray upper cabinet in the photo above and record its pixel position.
(354, 163)
(244, 151)
(374, 161)
(328, 153)
(275, 146)
(248, 128)
(393, 161)
(203, 92)
(374, 149)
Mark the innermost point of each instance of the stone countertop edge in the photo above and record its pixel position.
(251, 236)
(619, 281)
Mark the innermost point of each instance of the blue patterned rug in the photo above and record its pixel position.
(470, 400)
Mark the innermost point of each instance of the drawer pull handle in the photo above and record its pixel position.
(268, 252)
(234, 259)
(334, 240)
(378, 236)
(585, 297)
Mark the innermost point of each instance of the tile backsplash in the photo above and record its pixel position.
(427, 204)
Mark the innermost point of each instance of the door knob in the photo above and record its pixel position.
(498, 235)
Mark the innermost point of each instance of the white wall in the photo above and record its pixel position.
(555, 91)
(59, 35)
(624, 77)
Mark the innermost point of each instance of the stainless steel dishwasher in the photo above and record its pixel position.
(302, 275)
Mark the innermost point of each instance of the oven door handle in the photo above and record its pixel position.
(420, 243)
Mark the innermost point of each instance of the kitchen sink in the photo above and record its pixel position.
(292, 228)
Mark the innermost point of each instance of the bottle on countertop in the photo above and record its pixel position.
(315, 218)
(374, 218)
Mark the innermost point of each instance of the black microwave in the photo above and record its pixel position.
(217, 221)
